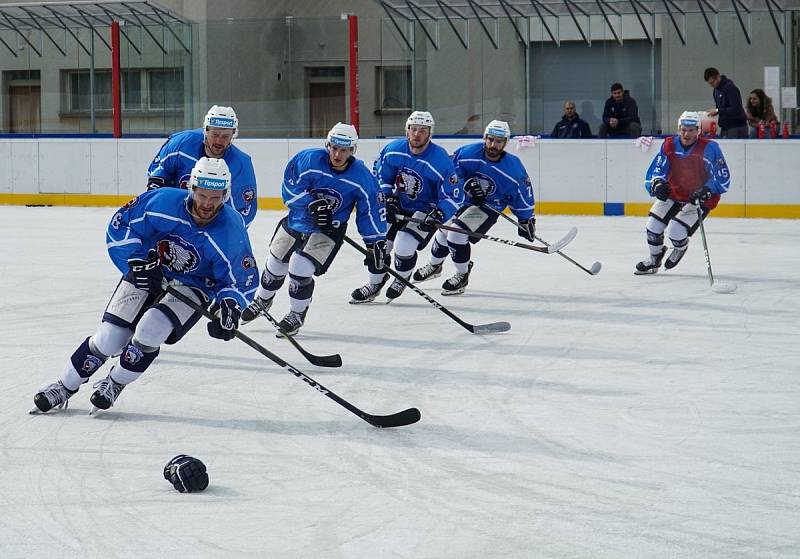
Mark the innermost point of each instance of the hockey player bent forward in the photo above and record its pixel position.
(688, 170)
(320, 187)
(197, 241)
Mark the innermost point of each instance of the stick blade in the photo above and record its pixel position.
(722, 287)
(564, 241)
(325, 360)
(490, 328)
(399, 419)
(595, 269)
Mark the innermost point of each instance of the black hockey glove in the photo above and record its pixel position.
(527, 228)
(154, 182)
(227, 319)
(431, 219)
(186, 474)
(392, 208)
(702, 194)
(322, 212)
(378, 255)
(660, 189)
(146, 273)
(475, 191)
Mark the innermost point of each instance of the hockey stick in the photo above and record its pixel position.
(717, 287)
(334, 360)
(594, 270)
(405, 417)
(555, 247)
(474, 328)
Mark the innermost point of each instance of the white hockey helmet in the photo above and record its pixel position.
(498, 129)
(222, 117)
(689, 118)
(420, 118)
(342, 136)
(211, 174)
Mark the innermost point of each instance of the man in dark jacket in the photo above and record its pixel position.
(732, 119)
(571, 125)
(620, 115)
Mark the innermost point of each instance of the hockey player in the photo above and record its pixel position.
(688, 169)
(196, 241)
(417, 179)
(494, 178)
(321, 186)
(173, 164)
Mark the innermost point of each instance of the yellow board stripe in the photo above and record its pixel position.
(775, 211)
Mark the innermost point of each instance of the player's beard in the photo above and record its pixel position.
(203, 216)
(215, 151)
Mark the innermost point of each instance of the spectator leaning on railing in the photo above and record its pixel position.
(571, 125)
(760, 111)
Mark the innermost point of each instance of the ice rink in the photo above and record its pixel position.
(622, 416)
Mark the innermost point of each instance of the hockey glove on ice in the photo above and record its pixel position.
(527, 228)
(146, 273)
(227, 320)
(702, 194)
(322, 212)
(660, 189)
(475, 191)
(378, 255)
(392, 208)
(431, 219)
(186, 474)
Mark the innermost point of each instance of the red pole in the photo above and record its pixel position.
(352, 31)
(115, 81)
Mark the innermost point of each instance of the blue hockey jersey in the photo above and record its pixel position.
(309, 176)
(419, 181)
(505, 181)
(180, 152)
(216, 258)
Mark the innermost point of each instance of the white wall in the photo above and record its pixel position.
(763, 171)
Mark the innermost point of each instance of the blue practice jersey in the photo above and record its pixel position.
(419, 181)
(506, 182)
(718, 177)
(180, 152)
(309, 176)
(216, 258)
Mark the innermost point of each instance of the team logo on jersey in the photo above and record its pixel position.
(184, 181)
(91, 364)
(210, 283)
(409, 182)
(453, 179)
(130, 203)
(331, 196)
(132, 355)
(248, 262)
(527, 181)
(249, 195)
(487, 183)
(177, 255)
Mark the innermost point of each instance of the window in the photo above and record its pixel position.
(394, 87)
(143, 90)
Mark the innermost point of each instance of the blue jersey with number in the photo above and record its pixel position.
(180, 152)
(420, 182)
(309, 176)
(506, 182)
(216, 258)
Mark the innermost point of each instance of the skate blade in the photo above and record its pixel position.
(645, 273)
(451, 293)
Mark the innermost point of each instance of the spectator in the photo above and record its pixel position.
(732, 120)
(760, 110)
(620, 115)
(571, 125)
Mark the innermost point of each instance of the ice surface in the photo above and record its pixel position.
(622, 416)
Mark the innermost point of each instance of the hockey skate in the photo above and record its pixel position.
(54, 395)
(368, 293)
(106, 393)
(428, 271)
(395, 290)
(258, 307)
(291, 323)
(652, 264)
(675, 257)
(458, 283)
